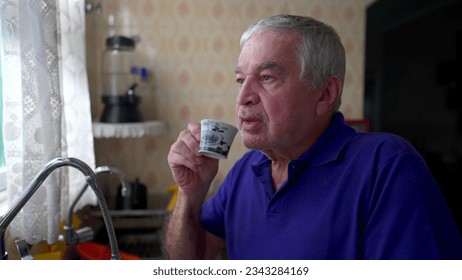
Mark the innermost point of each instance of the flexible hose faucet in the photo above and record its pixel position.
(91, 179)
(84, 234)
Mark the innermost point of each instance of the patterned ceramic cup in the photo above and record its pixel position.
(216, 138)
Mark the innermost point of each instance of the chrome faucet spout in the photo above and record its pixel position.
(120, 175)
(91, 179)
(72, 236)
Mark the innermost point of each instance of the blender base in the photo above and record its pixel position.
(121, 109)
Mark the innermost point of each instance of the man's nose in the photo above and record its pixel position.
(248, 92)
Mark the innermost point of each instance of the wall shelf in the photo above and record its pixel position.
(128, 130)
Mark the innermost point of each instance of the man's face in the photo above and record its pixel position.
(275, 109)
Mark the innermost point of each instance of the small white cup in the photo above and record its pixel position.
(216, 138)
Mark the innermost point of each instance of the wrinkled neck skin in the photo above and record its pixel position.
(280, 159)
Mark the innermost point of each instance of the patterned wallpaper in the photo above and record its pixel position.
(190, 49)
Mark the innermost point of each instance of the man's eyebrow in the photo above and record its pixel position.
(268, 64)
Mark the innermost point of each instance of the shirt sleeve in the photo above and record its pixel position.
(213, 211)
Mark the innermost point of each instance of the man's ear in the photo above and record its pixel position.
(330, 94)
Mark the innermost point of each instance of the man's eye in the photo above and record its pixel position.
(239, 81)
(266, 78)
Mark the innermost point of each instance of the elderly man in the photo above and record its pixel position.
(311, 187)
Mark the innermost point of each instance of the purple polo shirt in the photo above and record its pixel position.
(350, 196)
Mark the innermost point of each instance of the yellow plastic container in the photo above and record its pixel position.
(174, 191)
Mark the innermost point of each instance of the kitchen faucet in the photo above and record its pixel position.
(84, 234)
(91, 179)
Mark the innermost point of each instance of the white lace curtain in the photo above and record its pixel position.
(46, 109)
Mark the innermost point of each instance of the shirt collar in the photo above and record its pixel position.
(330, 145)
(326, 149)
